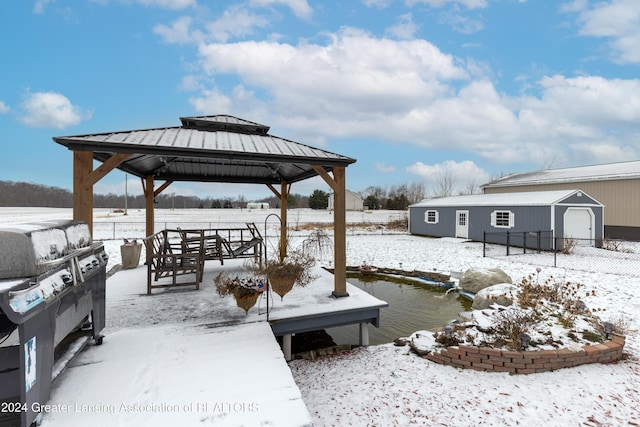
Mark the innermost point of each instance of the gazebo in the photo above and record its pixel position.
(218, 148)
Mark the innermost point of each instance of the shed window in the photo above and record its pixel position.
(431, 217)
(502, 219)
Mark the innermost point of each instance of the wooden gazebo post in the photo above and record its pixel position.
(82, 189)
(340, 232)
(84, 177)
(338, 185)
(150, 195)
(283, 196)
(147, 187)
(284, 200)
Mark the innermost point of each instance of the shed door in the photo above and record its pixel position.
(462, 224)
(578, 224)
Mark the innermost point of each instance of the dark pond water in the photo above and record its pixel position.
(413, 306)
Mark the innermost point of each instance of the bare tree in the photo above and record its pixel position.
(241, 201)
(497, 176)
(375, 190)
(548, 164)
(397, 190)
(444, 184)
(416, 191)
(471, 187)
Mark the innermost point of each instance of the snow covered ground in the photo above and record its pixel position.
(388, 385)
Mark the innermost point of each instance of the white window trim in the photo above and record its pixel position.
(494, 219)
(426, 216)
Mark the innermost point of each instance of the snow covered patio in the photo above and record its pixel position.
(182, 356)
(375, 385)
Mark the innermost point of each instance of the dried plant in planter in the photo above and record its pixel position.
(509, 326)
(283, 274)
(245, 290)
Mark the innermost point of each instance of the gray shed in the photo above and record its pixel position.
(566, 213)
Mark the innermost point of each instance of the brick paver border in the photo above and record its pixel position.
(527, 362)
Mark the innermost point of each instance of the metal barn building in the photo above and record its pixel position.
(353, 201)
(568, 213)
(616, 185)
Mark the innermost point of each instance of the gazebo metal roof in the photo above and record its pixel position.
(218, 148)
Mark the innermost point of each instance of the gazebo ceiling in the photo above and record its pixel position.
(217, 148)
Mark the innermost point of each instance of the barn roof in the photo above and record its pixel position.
(218, 148)
(609, 171)
(532, 198)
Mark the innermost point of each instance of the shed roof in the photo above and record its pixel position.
(609, 171)
(218, 148)
(533, 198)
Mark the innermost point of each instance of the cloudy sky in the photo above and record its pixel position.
(412, 89)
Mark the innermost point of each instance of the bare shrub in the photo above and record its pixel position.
(620, 325)
(568, 245)
(319, 243)
(559, 298)
(615, 245)
(399, 222)
(509, 326)
(448, 335)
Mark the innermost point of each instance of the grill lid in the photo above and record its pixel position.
(30, 249)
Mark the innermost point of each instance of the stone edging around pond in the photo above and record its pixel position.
(433, 275)
(527, 362)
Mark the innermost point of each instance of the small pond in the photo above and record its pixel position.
(413, 306)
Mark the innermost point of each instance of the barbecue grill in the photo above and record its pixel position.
(52, 284)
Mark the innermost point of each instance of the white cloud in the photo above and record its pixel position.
(4, 108)
(592, 100)
(464, 174)
(39, 5)
(470, 4)
(452, 13)
(570, 113)
(354, 73)
(178, 32)
(604, 151)
(409, 92)
(211, 101)
(300, 8)
(234, 22)
(380, 4)
(191, 83)
(384, 168)
(50, 109)
(574, 6)
(616, 20)
(163, 4)
(133, 187)
(461, 23)
(405, 28)
(169, 4)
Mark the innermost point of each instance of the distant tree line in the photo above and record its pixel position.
(22, 194)
(19, 194)
(400, 196)
(394, 197)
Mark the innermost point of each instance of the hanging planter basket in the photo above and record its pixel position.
(282, 283)
(245, 290)
(284, 274)
(245, 297)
